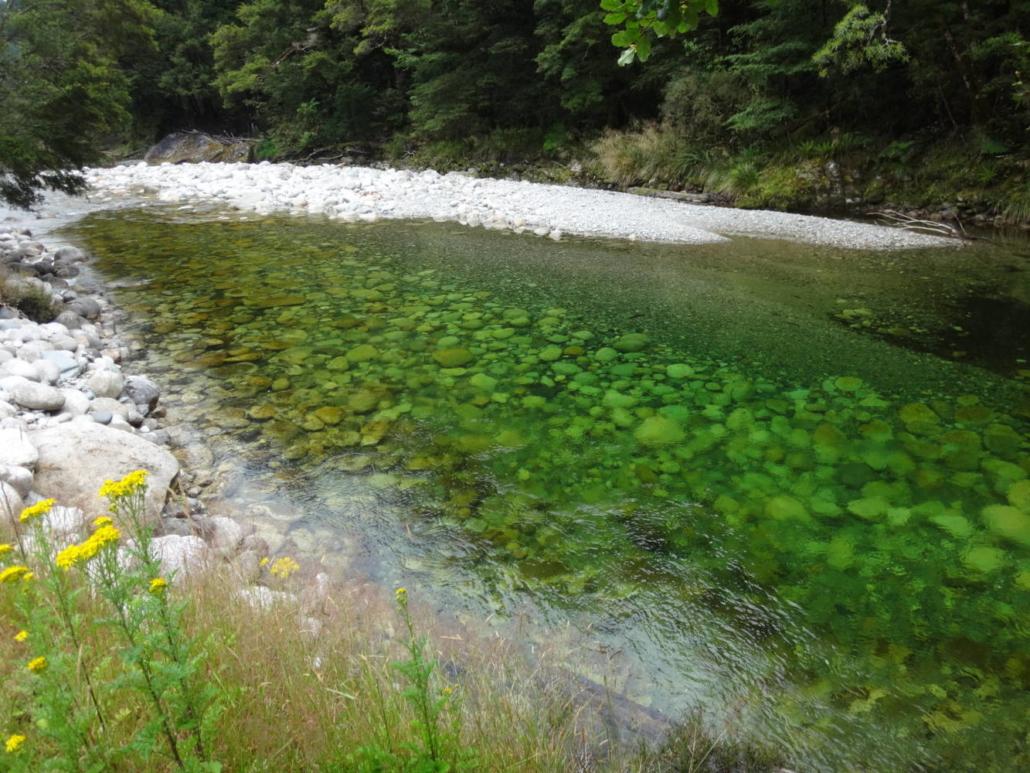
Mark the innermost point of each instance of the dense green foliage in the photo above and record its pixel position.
(523, 80)
(65, 86)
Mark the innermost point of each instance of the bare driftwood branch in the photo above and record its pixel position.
(901, 220)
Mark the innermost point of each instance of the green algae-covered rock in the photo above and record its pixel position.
(262, 412)
(869, 508)
(615, 399)
(1018, 495)
(659, 430)
(550, 353)
(848, 383)
(631, 342)
(984, 559)
(483, 382)
(1002, 440)
(362, 353)
(329, 414)
(363, 401)
(338, 364)
(452, 358)
(784, 508)
(1008, 522)
(918, 413)
(840, 552)
(953, 523)
(679, 371)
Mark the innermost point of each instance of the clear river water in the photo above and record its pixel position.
(785, 484)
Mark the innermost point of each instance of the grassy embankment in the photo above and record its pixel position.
(846, 173)
(105, 666)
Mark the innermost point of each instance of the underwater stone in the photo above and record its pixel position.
(784, 508)
(1007, 521)
(363, 401)
(918, 413)
(659, 430)
(550, 353)
(362, 353)
(262, 412)
(452, 358)
(679, 371)
(615, 399)
(984, 559)
(329, 414)
(483, 382)
(848, 383)
(869, 508)
(631, 342)
(1002, 439)
(338, 364)
(1018, 495)
(955, 525)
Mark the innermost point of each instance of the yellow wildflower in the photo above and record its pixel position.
(36, 665)
(29, 576)
(37, 510)
(103, 520)
(14, 743)
(284, 567)
(263, 561)
(12, 573)
(130, 484)
(401, 594)
(158, 585)
(68, 557)
(21, 636)
(78, 554)
(5, 549)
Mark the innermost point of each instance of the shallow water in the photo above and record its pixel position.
(787, 484)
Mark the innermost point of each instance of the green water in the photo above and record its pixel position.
(785, 483)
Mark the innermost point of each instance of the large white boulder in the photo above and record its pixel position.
(77, 457)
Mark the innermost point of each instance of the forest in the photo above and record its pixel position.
(794, 104)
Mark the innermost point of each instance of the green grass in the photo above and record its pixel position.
(914, 172)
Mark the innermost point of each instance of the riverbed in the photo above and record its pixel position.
(784, 483)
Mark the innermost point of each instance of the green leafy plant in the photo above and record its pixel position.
(107, 588)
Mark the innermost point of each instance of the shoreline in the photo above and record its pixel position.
(199, 531)
(365, 194)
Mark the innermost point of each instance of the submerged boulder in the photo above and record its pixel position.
(197, 147)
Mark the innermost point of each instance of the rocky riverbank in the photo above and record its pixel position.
(71, 417)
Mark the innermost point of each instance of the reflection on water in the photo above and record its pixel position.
(818, 536)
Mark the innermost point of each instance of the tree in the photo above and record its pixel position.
(641, 20)
(62, 90)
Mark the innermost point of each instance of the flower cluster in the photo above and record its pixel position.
(12, 573)
(5, 549)
(132, 483)
(37, 510)
(158, 585)
(284, 567)
(21, 636)
(37, 665)
(14, 743)
(401, 594)
(78, 554)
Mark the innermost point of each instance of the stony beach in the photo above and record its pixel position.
(363, 194)
(70, 418)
